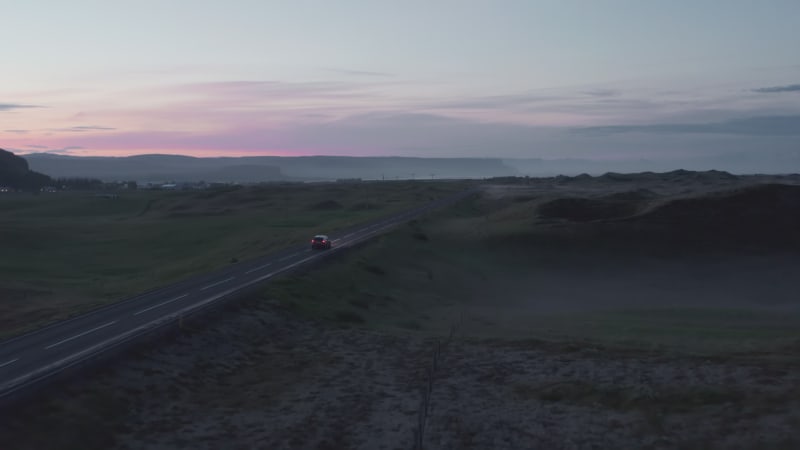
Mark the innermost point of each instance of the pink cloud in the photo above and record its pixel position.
(328, 118)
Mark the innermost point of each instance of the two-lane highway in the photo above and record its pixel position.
(29, 360)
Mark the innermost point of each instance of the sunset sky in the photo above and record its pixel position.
(553, 79)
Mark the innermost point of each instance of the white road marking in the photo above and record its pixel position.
(336, 240)
(347, 235)
(79, 335)
(258, 268)
(159, 305)
(283, 269)
(75, 358)
(288, 257)
(217, 283)
(9, 362)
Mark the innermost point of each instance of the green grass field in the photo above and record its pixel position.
(474, 266)
(65, 252)
(482, 265)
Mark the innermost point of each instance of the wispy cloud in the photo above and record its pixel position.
(775, 89)
(360, 73)
(92, 128)
(45, 149)
(83, 129)
(602, 93)
(750, 126)
(17, 131)
(496, 101)
(255, 90)
(10, 106)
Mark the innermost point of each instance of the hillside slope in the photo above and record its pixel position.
(15, 174)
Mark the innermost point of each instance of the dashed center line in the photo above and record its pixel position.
(288, 257)
(79, 335)
(258, 268)
(160, 304)
(9, 362)
(216, 284)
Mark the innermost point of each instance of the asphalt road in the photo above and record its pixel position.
(28, 361)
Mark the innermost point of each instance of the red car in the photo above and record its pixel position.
(320, 241)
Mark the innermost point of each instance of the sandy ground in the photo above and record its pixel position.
(262, 378)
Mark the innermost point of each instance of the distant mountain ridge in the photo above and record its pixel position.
(177, 168)
(264, 168)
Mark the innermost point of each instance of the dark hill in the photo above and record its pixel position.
(754, 207)
(581, 209)
(753, 217)
(14, 173)
(763, 215)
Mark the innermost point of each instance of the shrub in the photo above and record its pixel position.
(349, 317)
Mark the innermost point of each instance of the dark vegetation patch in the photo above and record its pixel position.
(679, 176)
(73, 425)
(420, 236)
(9, 293)
(202, 213)
(580, 209)
(218, 192)
(349, 317)
(410, 325)
(509, 180)
(675, 176)
(613, 176)
(752, 217)
(147, 207)
(362, 206)
(359, 303)
(327, 205)
(671, 399)
(755, 204)
(372, 268)
(768, 214)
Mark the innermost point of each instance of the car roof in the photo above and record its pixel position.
(324, 236)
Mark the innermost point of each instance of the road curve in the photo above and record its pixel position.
(28, 361)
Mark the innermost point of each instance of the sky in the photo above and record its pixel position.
(597, 79)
